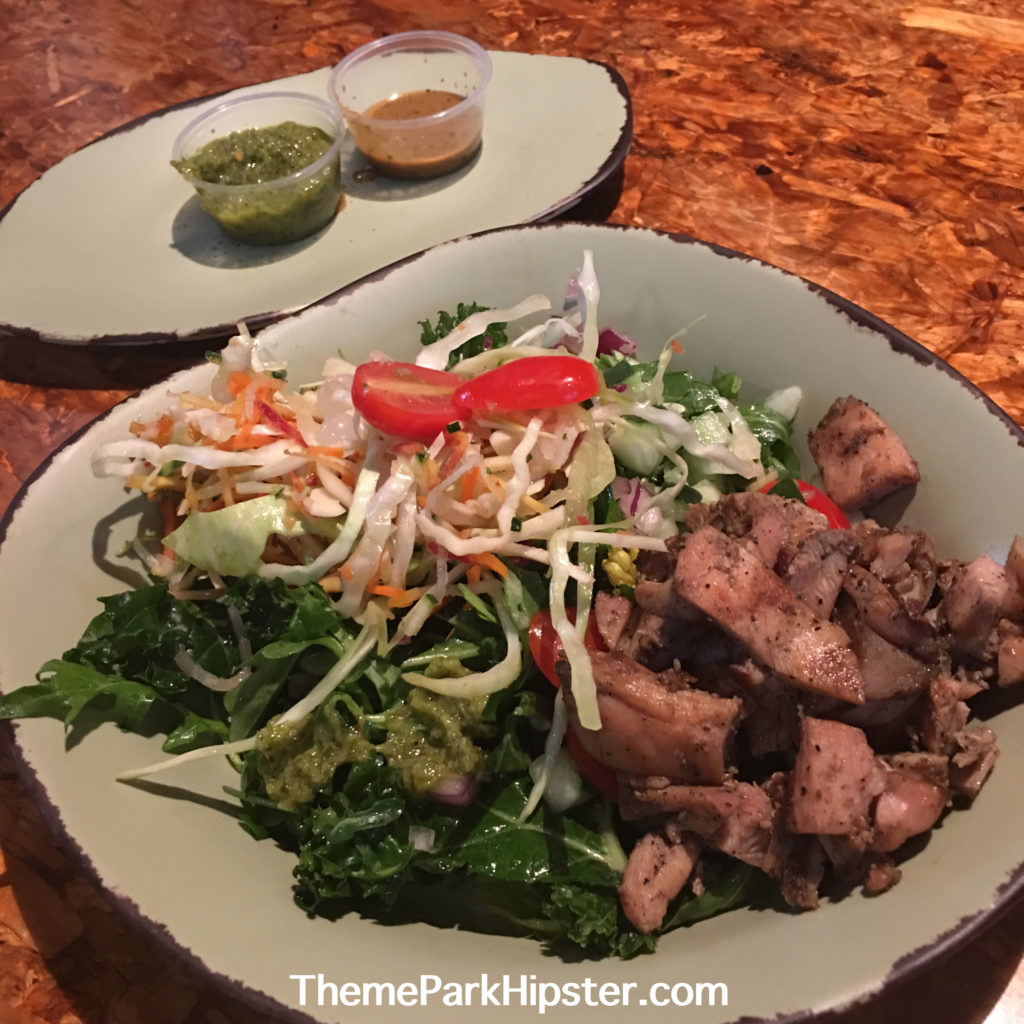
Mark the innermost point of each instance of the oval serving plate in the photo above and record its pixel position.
(222, 900)
(111, 245)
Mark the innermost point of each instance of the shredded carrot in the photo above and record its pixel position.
(677, 346)
(410, 596)
(326, 451)
(473, 573)
(169, 516)
(454, 449)
(348, 574)
(158, 431)
(398, 597)
(245, 439)
(489, 560)
(238, 382)
(469, 483)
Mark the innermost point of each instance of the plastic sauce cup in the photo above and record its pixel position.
(414, 102)
(282, 209)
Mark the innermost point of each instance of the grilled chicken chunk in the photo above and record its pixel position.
(735, 589)
(860, 457)
(655, 874)
(649, 728)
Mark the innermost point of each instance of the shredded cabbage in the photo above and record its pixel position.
(294, 484)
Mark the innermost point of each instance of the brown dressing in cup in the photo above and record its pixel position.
(419, 151)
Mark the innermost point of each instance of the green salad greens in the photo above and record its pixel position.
(345, 614)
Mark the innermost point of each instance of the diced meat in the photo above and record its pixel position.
(914, 582)
(927, 767)
(800, 859)
(659, 597)
(654, 641)
(974, 602)
(973, 761)
(904, 560)
(860, 457)
(849, 854)
(787, 522)
(915, 795)
(835, 778)
(747, 673)
(641, 634)
(772, 720)
(655, 874)
(856, 863)
(738, 592)
(888, 724)
(802, 868)
(880, 610)
(737, 818)
(1010, 658)
(887, 670)
(611, 616)
(945, 714)
(882, 876)
(649, 728)
(889, 551)
(1015, 578)
(817, 569)
(768, 534)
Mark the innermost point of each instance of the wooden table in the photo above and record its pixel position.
(872, 146)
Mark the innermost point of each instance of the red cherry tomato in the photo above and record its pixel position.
(820, 502)
(600, 776)
(533, 382)
(546, 648)
(405, 400)
(546, 645)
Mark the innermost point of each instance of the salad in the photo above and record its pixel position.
(368, 589)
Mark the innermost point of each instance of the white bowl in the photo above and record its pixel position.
(212, 894)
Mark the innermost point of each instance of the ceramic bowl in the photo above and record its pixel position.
(172, 855)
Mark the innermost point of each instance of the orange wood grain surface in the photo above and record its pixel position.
(873, 146)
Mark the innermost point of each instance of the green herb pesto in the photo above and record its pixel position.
(297, 759)
(255, 155)
(267, 214)
(428, 738)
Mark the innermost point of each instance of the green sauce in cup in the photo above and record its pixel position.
(252, 181)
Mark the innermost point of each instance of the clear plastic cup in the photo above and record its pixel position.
(282, 209)
(414, 102)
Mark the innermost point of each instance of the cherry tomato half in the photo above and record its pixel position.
(820, 502)
(546, 648)
(533, 382)
(405, 399)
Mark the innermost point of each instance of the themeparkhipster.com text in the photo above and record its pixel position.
(522, 990)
